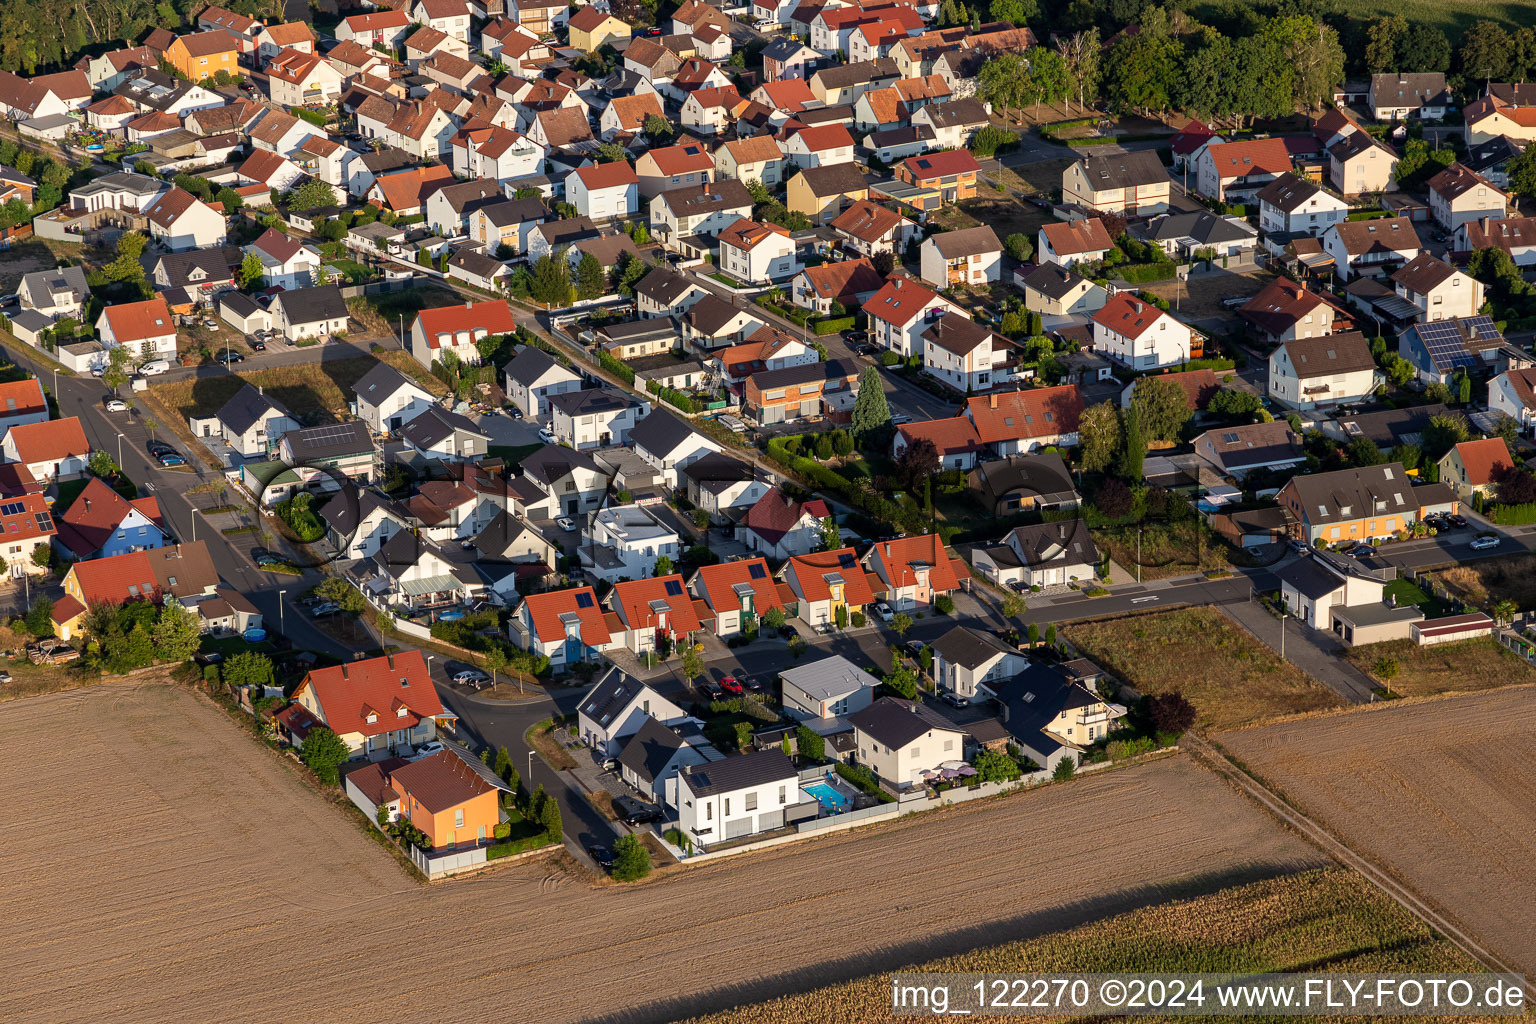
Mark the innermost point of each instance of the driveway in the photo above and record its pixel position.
(506, 431)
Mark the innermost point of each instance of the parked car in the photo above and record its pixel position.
(116, 405)
(258, 345)
(229, 358)
(610, 764)
(643, 816)
(1017, 586)
(266, 558)
(1361, 551)
(546, 436)
(471, 677)
(914, 648)
(1235, 301)
(787, 631)
(857, 337)
(732, 686)
(1460, 522)
(324, 609)
(169, 459)
(155, 366)
(752, 685)
(884, 611)
(1484, 543)
(954, 700)
(711, 691)
(601, 854)
(429, 748)
(566, 523)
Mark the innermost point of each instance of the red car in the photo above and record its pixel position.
(731, 685)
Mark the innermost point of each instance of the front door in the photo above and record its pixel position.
(572, 505)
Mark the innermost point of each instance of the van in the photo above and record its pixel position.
(154, 366)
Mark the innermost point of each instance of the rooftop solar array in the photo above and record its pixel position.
(674, 588)
(1446, 340)
(756, 571)
(583, 600)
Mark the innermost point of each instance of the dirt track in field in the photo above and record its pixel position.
(160, 866)
(1441, 793)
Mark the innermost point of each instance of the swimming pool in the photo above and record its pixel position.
(830, 798)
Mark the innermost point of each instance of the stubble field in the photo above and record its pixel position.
(158, 860)
(1441, 792)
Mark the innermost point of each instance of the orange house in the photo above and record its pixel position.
(204, 54)
(452, 799)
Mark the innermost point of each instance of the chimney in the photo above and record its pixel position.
(87, 504)
(993, 399)
(469, 305)
(343, 670)
(389, 659)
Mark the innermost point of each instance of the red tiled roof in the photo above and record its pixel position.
(789, 95)
(682, 158)
(1251, 156)
(139, 321)
(1128, 316)
(110, 579)
(1020, 415)
(900, 561)
(545, 610)
(1198, 386)
(31, 520)
(491, 316)
(377, 20)
(951, 436)
(1485, 460)
(395, 689)
(843, 280)
(22, 398)
(720, 580)
(899, 301)
(824, 137)
(1072, 238)
(867, 221)
(811, 573)
(617, 174)
(88, 523)
(49, 441)
(747, 235)
(407, 190)
(938, 165)
(775, 514)
(439, 782)
(632, 599)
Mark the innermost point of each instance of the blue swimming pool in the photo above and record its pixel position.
(830, 798)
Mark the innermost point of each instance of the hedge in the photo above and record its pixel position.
(1139, 273)
(522, 845)
(671, 396)
(1367, 214)
(1512, 515)
(314, 117)
(616, 367)
(232, 531)
(863, 778)
(842, 323)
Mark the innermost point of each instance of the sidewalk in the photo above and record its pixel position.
(1314, 652)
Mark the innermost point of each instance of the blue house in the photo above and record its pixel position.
(102, 523)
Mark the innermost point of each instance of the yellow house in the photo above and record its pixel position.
(825, 582)
(1475, 467)
(592, 29)
(821, 193)
(204, 54)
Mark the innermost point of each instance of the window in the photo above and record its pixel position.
(781, 795)
(750, 802)
(458, 818)
(727, 810)
(709, 812)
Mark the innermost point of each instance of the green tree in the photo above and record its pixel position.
(1101, 435)
(811, 746)
(1013, 606)
(1015, 12)
(663, 566)
(1082, 52)
(1424, 48)
(1135, 448)
(1505, 610)
(1487, 52)
(831, 534)
(324, 752)
(1384, 39)
(1363, 452)
(312, 195)
(590, 281)
(773, 619)
(1019, 246)
(126, 267)
(552, 280)
(39, 618)
(248, 668)
(658, 129)
(341, 593)
(841, 616)
(631, 860)
(250, 273)
(1065, 768)
(1522, 175)
(1386, 668)
(612, 152)
(1050, 635)
(692, 665)
(176, 634)
(1443, 433)
(116, 373)
(1004, 81)
(549, 817)
(870, 422)
(1049, 80)
(903, 683)
(229, 199)
(1161, 408)
(901, 622)
(996, 766)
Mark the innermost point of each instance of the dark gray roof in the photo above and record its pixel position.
(344, 516)
(592, 401)
(694, 200)
(845, 75)
(969, 647)
(312, 305)
(552, 462)
(247, 407)
(650, 750)
(1486, 156)
(217, 263)
(717, 471)
(1053, 280)
(1289, 192)
(1204, 227)
(388, 159)
(899, 136)
(1066, 539)
(499, 535)
(381, 382)
(1043, 476)
(515, 211)
(529, 365)
(239, 304)
(783, 48)
(969, 111)
(431, 426)
(1309, 578)
(565, 232)
(1329, 354)
(966, 242)
(331, 440)
(759, 768)
(1401, 89)
(1392, 426)
(58, 280)
(894, 722)
(834, 179)
(664, 285)
(1032, 700)
(612, 694)
(466, 196)
(803, 374)
(1323, 497)
(477, 263)
(1123, 170)
(710, 315)
(660, 433)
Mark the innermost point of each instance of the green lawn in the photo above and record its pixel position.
(1406, 592)
(232, 645)
(1452, 19)
(511, 454)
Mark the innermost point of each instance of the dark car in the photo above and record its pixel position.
(258, 346)
(157, 447)
(711, 691)
(1459, 522)
(602, 855)
(1361, 551)
(857, 337)
(753, 685)
(642, 817)
(787, 631)
(914, 648)
(229, 358)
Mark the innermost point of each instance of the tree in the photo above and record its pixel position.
(1234, 404)
(324, 752)
(1065, 768)
(811, 746)
(1443, 433)
(1050, 635)
(996, 766)
(1505, 610)
(590, 282)
(1049, 80)
(692, 666)
(1384, 38)
(901, 622)
(1168, 713)
(176, 634)
(870, 422)
(1161, 408)
(1522, 176)
(549, 816)
(631, 860)
(551, 283)
(1013, 606)
(341, 593)
(1135, 448)
(1082, 51)
(116, 373)
(497, 662)
(250, 272)
(39, 618)
(773, 619)
(1004, 82)
(903, 683)
(841, 616)
(1424, 48)
(658, 129)
(831, 534)
(1019, 246)
(1016, 12)
(126, 267)
(1487, 52)
(663, 566)
(312, 195)
(612, 152)
(1363, 452)
(1101, 436)
(229, 199)
(919, 460)
(1514, 486)
(248, 668)
(1386, 668)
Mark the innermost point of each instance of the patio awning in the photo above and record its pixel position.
(430, 585)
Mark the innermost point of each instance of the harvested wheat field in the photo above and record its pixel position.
(158, 860)
(1440, 791)
(1324, 920)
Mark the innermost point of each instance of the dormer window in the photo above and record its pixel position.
(373, 716)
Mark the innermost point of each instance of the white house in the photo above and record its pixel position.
(456, 329)
(1364, 246)
(757, 253)
(318, 312)
(180, 221)
(1513, 393)
(250, 423)
(734, 798)
(966, 355)
(565, 626)
(624, 541)
(146, 328)
(604, 192)
(49, 450)
(595, 418)
(780, 527)
(1438, 290)
(965, 659)
(1293, 204)
(901, 311)
(820, 146)
(285, 262)
(833, 687)
(668, 444)
(387, 400)
(965, 258)
(533, 377)
(1040, 555)
(1335, 369)
(899, 740)
(1073, 242)
(1137, 334)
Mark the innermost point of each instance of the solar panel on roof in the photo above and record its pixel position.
(756, 571)
(845, 561)
(583, 600)
(1446, 345)
(13, 508)
(674, 588)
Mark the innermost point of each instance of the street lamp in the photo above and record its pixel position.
(530, 765)
(119, 449)
(429, 665)
(280, 594)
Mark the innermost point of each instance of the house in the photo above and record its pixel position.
(1331, 593)
(1358, 164)
(1235, 451)
(1397, 96)
(572, 483)
(899, 740)
(318, 312)
(1015, 422)
(1441, 350)
(781, 527)
(179, 221)
(787, 57)
(954, 122)
(758, 158)
(869, 229)
(954, 438)
(688, 218)
(1135, 333)
(318, 457)
(624, 542)
(713, 110)
(1513, 394)
(456, 329)
(182, 573)
(533, 377)
(1292, 204)
(616, 708)
(1312, 373)
(757, 253)
(378, 706)
(448, 208)
(800, 392)
(829, 587)
(595, 418)
(101, 523)
(687, 163)
(664, 292)
(272, 40)
(737, 595)
(952, 173)
(450, 797)
(1370, 247)
(1475, 467)
(915, 571)
(713, 323)
(1073, 242)
(845, 83)
(359, 529)
(1503, 111)
(970, 257)
(819, 146)
(147, 328)
(1131, 184)
(201, 55)
(1040, 555)
(1240, 168)
(718, 484)
(604, 192)
(1284, 310)
(1437, 290)
(387, 400)
(444, 510)
(298, 79)
(966, 659)
(655, 613)
(591, 30)
(540, 16)
(901, 312)
(22, 402)
(1192, 138)
(848, 283)
(967, 356)
(1492, 158)
(654, 754)
(54, 293)
(1459, 195)
(440, 435)
(285, 262)
(1199, 235)
(387, 28)
(1051, 717)
(625, 116)
(107, 71)
(500, 153)
(1053, 290)
(1022, 483)
(832, 687)
(1360, 504)
(738, 797)
(1515, 235)
(412, 573)
(565, 626)
(250, 423)
(821, 193)
(766, 349)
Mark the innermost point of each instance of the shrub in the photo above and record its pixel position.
(834, 326)
(863, 778)
(812, 746)
(631, 860)
(1065, 769)
(616, 367)
(889, 358)
(858, 620)
(944, 604)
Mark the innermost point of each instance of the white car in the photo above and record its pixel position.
(470, 676)
(428, 749)
(547, 437)
(566, 523)
(155, 366)
(116, 405)
(1484, 543)
(884, 611)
